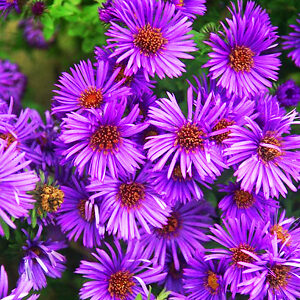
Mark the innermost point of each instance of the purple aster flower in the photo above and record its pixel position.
(264, 156)
(191, 8)
(21, 291)
(186, 139)
(7, 5)
(79, 215)
(185, 230)
(130, 201)
(41, 259)
(205, 279)
(101, 140)
(33, 33)
(292, 43)
(237, 236)
(238, 202)
(12, 83)
(15, 182)
(275, 274)
(288, 94)
(87, 88)
(118, 275)
(107, 12)
(155, 37)
(177, 188)
(38, 8)
(242, 59)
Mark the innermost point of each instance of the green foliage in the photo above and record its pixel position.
(5, 228)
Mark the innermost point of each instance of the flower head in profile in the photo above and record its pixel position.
(275, 274)
(237, 236)
(41, 259)
(79, 216)
(292, 42)
(242, 59)
(185, 140)
(191, 8)
(152, 37)
(87, 87)
(185, 230)
(15, 182)
(130, 202)
(288, 93)
(118, 274)
(204, 279)
(263, 155)
(100, 140)
(238, 202)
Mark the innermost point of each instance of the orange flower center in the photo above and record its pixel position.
(222, 124)
(278, 276)
(120, 284)
(241, 59)
(131, 194)
(91, 98)
(243, 199)
(240, 256)
(268, 154)
(212, 282)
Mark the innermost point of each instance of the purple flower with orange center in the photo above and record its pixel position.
(87, 87)
(263, 155)
(186, 139)
(79, 216)
(185, 230)
(100, 140)
(238, 202)
(204, 279)
(7, 5)
(275, 274)
(130, 202)
(242, 57)
(118, 274)
(152, 37)
(191, 8)
(236, 236)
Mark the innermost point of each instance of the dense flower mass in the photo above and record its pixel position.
(180, 189)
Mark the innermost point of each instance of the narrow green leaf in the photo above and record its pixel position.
(5, 228)
(138, 297)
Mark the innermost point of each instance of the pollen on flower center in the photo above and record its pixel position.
(120, 284)
(8, 137)
(106, 138)
(91, 98)
(10, 1)
(243, 199)
(171, 227)
(121, 75)
(241, 59)
(268, 154)
(212, 282)
(51, 198)
(35, 250)
(189, 137)
(240, 256)
(278, 276)
(149, 39)
(177, 175)
(180, 3)
(222, 124)
(281, 233)
(82, 210)
(131, 194)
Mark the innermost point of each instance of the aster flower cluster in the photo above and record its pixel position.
(182, 194)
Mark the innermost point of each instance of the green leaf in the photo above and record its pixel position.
(149, 294)
(138, 297)
(33, 218)
(5, 228)
(163, 295)
(49, 27)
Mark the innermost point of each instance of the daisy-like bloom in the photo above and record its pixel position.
(177, 188)
(191, 8)
(236, 236)
(87, 87)
(204, 279)
(238, 202)
(185, 230)
(7, 5)
(12, 83)
(292, 42)
(21, 291)
(154, 38)
(275, 274)
(288, 94)
(79, 215)
(287, 230)
(186, 140)
(107, 12)
(130, 201)
(241, 58)
(41, 259)
(100, 140)
(118, 275)
(263, 155)
(15, 182)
